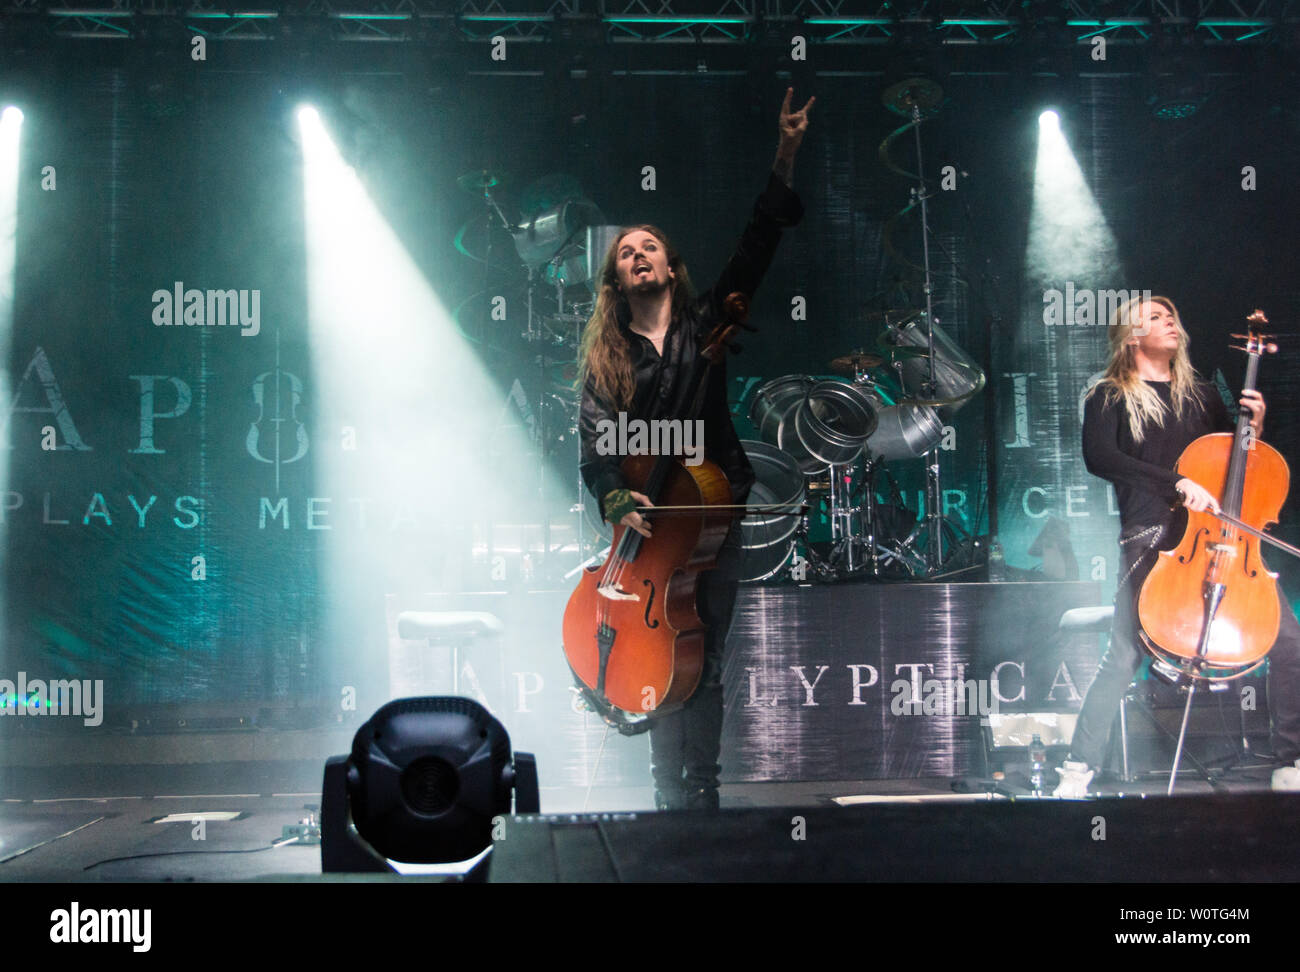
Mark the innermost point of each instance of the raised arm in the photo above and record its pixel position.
(777, 207)
(791, 125)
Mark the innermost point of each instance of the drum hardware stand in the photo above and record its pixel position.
(853, 553)
(868, 518)
(844, 539)
(821, 567)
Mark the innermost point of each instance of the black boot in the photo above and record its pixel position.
(703, 747)
(704, 798)
(666, 745)
(670, 798)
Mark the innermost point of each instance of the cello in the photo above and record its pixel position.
(1210, 605)
(632, 635)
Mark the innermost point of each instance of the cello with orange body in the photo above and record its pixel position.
(632, 635)
(1211, 604)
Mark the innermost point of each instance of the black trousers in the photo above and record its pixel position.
(1121, 661)
(685, 745)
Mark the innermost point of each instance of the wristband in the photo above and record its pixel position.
(618, 504)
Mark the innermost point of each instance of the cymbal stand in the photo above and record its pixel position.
(933, 486)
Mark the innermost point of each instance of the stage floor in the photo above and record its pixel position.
(113, 832)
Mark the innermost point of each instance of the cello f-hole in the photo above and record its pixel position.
(1196, 540)
(650, 603)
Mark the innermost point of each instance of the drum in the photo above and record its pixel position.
(829, 427)
(957, 377)
(903, 431)
(767, 540)
(773, 401)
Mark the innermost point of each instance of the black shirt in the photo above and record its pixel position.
(662, 380)
(1143, 473)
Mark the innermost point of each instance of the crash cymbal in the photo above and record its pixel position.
(856, 362)
(477, 181)
(920, 92)
(481, 236)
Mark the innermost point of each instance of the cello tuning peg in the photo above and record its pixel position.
(1271, 348)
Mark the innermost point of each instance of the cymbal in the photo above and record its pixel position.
(894, 317)
(856, 362)
(477, 181)
(897, 351)
(547, 192)
(921, 92)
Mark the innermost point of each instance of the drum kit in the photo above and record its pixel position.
(888, 403)
(832, 439)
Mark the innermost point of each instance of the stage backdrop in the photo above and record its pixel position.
(206, 512)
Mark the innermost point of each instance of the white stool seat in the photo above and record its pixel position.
(1087, 619)
(447, 624)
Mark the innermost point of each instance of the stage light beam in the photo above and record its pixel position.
(1069, 238)
(416, 439)
(11, 122)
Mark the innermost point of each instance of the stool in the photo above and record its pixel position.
(459, 628)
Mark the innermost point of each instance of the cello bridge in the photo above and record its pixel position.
(616, 593)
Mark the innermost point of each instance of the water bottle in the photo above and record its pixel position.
(997, 564)
(1037, 760)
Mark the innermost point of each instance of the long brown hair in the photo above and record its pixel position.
(605, 354)
(1122, 382)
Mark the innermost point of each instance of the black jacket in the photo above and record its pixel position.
(661, 391)
(1143, 473)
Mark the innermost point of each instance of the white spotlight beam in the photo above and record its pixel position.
(390, 364)
(11, 123)
(1069, 238)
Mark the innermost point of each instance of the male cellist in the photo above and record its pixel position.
(644, 335)
(1138, 419)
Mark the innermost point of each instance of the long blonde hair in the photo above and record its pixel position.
(1121, 380)
(605, 354)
